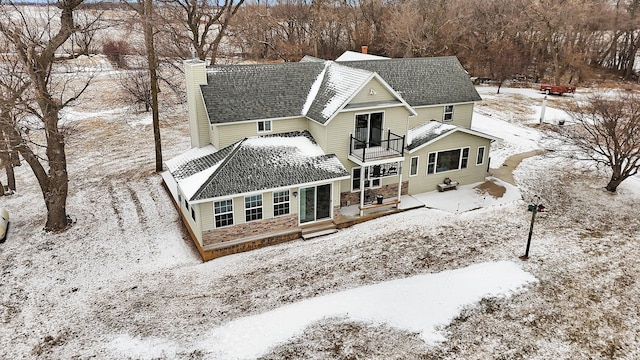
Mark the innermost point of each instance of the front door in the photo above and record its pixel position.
(315, 203)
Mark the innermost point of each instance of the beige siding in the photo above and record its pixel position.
(462, 115)
(214, 135)
(229, 134)
(426, 114)
(472, 174)
(206, 216)
(337, 139)
(373, 91)
(343, 125)
(196, 225)
(195, 75)
(319, 133)
(238, 210)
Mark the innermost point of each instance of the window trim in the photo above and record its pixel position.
(445, 113)
(432, 163)
(353, 169)
(484, 149)
(230, 211)
(287, 202)
(463, 158)
(369, 113)
(264, 122)
(247, 209)
(417, 170)
(436, 156)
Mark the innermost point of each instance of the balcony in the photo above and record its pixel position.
(362, 152)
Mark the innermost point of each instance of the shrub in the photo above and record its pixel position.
(115, 50)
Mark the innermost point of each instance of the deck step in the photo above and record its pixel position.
(311, 235)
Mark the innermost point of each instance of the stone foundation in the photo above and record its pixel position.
(250, 229)
(388, 191)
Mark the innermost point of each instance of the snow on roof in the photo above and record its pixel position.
(358, 56)
(193, 183)
(189, 155)
(302, 146)
(259, 163)
(343, 81)
(426, 132)
(313, 91)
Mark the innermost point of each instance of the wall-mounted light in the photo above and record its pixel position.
(295, 194)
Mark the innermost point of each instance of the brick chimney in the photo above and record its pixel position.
(364, 49)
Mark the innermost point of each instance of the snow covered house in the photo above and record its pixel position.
(277, 148)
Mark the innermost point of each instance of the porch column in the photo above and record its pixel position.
(399, 180)
(362, 190)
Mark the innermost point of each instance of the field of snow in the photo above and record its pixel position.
(126, 282)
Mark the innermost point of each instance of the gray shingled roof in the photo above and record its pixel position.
(426, 132)
(267, 162)
(185, 165)
(337, 85)
(424, 81)
(253, 92)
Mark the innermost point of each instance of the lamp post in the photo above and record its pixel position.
(536, 203)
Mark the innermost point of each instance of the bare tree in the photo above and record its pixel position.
(608, 132)
(13, 87)
(137, 87)
(35, 38)
(198, 24)
(147, 14)
(90, 23)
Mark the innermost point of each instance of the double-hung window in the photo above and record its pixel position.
(223, 212)
(368, 183)
(253, 207)
(431, 163)
(413, 170)
(448, 113)
(264, 126)
(480, 158)
(281, 203)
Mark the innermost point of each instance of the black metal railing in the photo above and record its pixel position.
(393, 146)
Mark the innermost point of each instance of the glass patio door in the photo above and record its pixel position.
(315, 203)
(369, 129)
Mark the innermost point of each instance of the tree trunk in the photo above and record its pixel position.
(153, 75)
(614, 182)
(55, 197)
(11, 178)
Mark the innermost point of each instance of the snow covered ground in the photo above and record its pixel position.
(126, 282)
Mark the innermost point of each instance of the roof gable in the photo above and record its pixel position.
(332, 90)
(432, 131)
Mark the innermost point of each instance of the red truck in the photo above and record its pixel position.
(557, 89)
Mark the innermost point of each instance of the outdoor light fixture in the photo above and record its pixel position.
(295, 194)
(534, 207)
